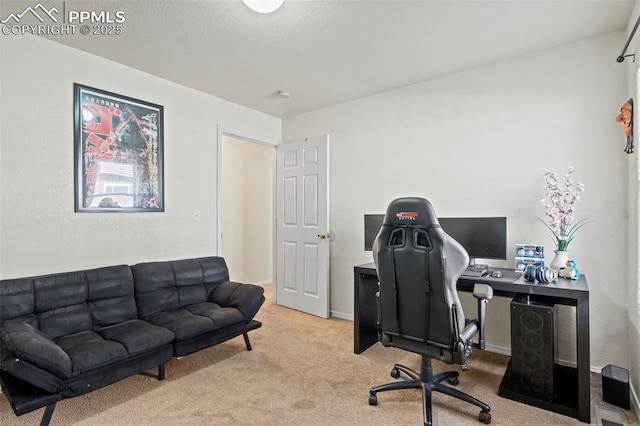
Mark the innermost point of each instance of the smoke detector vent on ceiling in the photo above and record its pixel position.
(263, 6)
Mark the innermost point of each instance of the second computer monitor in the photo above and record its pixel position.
(482, 237)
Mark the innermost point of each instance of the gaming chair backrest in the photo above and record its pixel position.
(418, 266)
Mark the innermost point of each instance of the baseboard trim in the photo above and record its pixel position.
(342, 315)
(498, 350)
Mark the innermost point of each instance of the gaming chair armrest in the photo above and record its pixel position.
(482, 292)
(469, 331)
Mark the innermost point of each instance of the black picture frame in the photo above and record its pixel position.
(119, 143)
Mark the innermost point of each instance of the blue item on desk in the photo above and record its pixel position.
(570, 270)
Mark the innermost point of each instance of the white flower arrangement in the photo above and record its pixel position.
(559, 203)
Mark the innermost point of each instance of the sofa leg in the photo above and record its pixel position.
(161, 372)
(48, 412)
(246, 340)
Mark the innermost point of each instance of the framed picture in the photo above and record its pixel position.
(118, 153)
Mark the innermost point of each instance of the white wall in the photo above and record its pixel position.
(39, 231)
(476, 143)
(633, 90)
(247, 209)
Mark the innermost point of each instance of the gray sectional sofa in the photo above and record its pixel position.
(67, 334)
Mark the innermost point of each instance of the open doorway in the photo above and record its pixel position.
(245, 208)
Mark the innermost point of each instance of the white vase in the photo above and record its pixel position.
(559, 261)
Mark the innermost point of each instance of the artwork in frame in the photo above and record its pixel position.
(118, 152)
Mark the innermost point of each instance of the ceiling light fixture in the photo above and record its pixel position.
(284, 94)
(263, 6)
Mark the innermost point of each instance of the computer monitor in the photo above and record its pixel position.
(482, 237)
(372, 225)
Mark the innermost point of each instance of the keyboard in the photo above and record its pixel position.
(476, 270)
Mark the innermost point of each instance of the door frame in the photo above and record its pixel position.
(223, 131)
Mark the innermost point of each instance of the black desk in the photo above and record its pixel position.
(575, 384)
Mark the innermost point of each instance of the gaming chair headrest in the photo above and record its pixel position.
(410, 211)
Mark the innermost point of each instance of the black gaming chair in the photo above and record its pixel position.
(418, 266)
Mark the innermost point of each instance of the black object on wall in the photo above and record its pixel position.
(532, 346)
(626, 45)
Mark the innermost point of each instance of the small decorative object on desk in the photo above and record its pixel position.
(559, 204)
(559, 260)
(529, 254)
(570, 270)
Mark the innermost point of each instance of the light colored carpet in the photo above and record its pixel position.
(302, 371)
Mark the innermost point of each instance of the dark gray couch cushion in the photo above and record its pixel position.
(221, 317)
(28, 343)
(108, 282)
(16, 298)
(89, 350)
(188, 272)
(111, 295)
(182, 323)
(153, 276)
(66, 320)
(111, 311)
(137, 336)
(155, 288)
(215, 271)
(60, 290)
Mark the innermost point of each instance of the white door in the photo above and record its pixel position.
(302, 225)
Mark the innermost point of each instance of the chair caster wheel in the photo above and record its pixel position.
(373, 400)
(484, 417)
(453, 381)
(395, 373)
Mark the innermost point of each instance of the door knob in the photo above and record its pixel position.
(322, 236)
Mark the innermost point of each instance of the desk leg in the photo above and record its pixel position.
(583, 349)
(365, 312)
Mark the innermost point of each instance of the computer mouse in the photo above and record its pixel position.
(496, 274)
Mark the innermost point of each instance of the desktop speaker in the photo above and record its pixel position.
(532, 346)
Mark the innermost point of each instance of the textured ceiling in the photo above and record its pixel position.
(329, 52)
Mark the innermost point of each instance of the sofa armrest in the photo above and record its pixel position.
(247, 298)
(26, 342)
